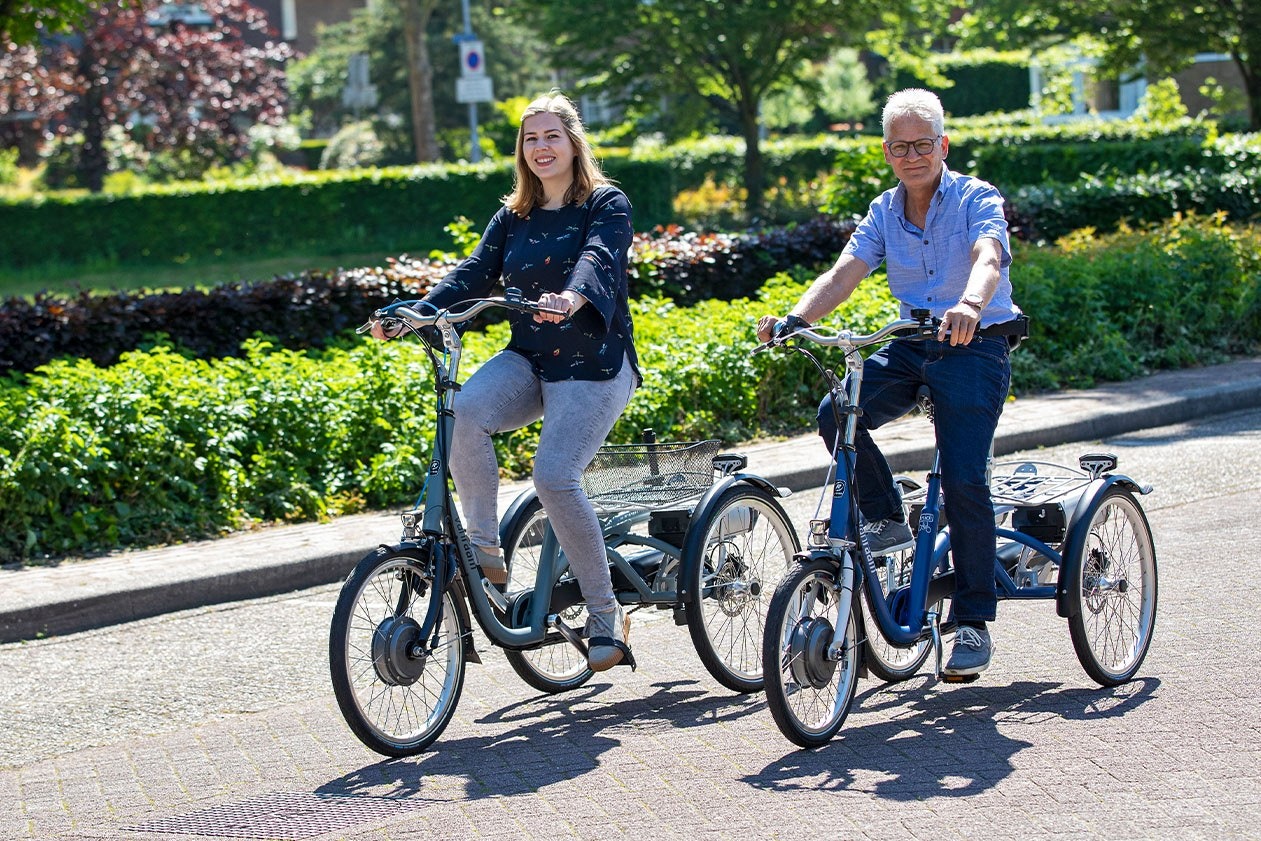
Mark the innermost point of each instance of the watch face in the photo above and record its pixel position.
(973, 300)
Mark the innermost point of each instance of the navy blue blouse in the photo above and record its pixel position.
(584, 247)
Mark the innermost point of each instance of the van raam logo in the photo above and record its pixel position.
(839, 489)
(433, 468)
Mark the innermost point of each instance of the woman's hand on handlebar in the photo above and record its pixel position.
(385, 328)
(556, 307)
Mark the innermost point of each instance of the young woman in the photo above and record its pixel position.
(563, 238)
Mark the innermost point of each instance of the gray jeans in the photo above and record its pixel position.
(505, 394)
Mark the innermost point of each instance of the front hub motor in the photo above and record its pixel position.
(808, 649)
(392, 646)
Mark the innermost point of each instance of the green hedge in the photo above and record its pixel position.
(406, 208)
(160, 447)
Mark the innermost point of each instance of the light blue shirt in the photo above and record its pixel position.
(929, 268)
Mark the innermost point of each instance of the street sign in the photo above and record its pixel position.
(472, 60)
(474, 89)
(359, 92)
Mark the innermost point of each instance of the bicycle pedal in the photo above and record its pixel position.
(959, 678)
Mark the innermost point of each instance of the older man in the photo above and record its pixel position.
(943, 239)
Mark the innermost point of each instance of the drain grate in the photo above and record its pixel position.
(285, 816)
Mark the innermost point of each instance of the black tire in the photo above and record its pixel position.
(396, 703)
(886, 661)
(1114, 590)
(555, 666)
(747, 545)
(809, 695)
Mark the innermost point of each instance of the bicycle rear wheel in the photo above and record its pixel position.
(809, 693)
(396, 690)
(1114, 590)
(747, 544)
(555, 666)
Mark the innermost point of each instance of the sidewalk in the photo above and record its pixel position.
(76, 596)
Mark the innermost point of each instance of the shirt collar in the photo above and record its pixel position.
(947, 181)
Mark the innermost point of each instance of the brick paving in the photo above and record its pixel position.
(1032, 750)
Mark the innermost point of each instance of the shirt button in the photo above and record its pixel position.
(930, 271)
(926, 242)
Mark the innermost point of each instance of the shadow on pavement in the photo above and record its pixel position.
(940, 742)
(555, 738)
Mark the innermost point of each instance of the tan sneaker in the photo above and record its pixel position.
(493, 566)
(607, 633)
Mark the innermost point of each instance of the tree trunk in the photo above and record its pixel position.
(93, 163)
(1250, 67)
(420, 78)
(754, 175)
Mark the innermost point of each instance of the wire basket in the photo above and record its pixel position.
(649, 475)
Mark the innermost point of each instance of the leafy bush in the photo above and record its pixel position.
(354, 145)
(1102, 203)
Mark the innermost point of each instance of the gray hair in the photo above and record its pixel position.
(914, 102)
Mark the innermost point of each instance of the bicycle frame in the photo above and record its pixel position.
(439, 521)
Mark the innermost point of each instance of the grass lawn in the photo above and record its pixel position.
(201, 273)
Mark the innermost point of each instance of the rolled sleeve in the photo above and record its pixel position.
(987, 219)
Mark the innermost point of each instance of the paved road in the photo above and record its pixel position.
(219, 722)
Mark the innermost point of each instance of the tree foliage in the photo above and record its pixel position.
(1158, 37)
(189, 91)
(24, 23)
(731, 53)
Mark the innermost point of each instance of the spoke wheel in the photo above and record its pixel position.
(1115, 591)
(809, 692)
(396, 690)
(746, 547)
(555, 666)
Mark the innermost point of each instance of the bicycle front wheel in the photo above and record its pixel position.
(1114, 591)
(747, 544)
(809, 687)
(555, 666)
(396, 690)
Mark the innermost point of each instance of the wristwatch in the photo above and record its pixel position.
(973, 300)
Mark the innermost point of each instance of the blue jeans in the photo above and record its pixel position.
(969, 385)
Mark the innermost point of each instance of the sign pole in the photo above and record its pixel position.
(475, 154)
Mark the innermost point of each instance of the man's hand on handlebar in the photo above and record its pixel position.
(960, 322)
(768, 326)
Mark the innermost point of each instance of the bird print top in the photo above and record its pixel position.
(584, 247)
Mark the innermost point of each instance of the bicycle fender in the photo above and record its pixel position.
(692, 549)
(522, 500)
(1076, 532)
(460, 598)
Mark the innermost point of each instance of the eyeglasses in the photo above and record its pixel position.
(900, 148)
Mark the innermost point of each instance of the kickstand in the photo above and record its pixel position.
(575, 639)
(934, 620)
